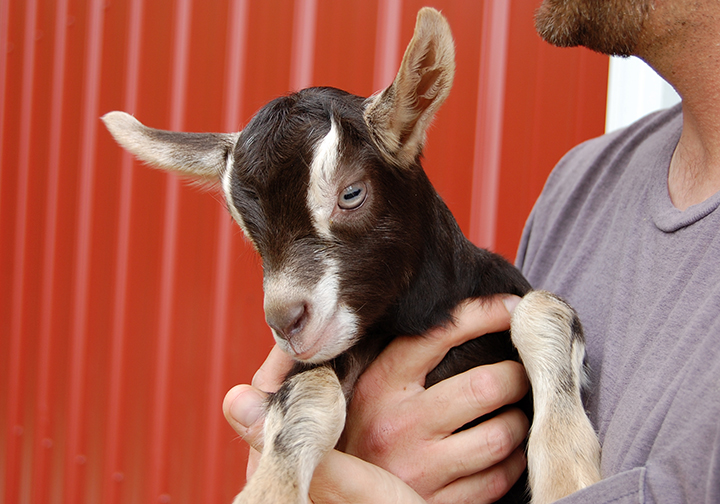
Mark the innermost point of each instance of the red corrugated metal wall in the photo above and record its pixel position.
(129, 302)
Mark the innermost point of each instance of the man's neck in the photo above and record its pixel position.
(686, 53)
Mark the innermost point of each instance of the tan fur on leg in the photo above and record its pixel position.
(563, 450)
(303, 422)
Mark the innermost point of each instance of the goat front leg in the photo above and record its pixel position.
(563, 451)
(303, 421)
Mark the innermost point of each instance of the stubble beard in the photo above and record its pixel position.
(612, 27)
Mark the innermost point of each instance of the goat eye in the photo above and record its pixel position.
(352, 196)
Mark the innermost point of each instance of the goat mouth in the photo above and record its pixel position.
(309, 347)
(323, 341)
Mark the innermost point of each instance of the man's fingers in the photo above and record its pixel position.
(483, 446)
(342, 478)
(273, 371)
(244, 409)
(411, 358)
(474, 393)
(486, 486)
(420, 427)
(440, 462)
(244, 405)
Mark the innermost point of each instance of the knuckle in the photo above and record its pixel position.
(498, 483)
(408, 473)
(462, 466)
(260, 380)
(500, 441)
(378, 439)
(485, 389)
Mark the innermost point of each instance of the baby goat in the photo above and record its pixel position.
(357, 247)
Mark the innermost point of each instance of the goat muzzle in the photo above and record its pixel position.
(287, 319)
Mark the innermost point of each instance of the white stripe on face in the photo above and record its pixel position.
(322, 195)
(227, 189)
(332, 326)
(336, 321)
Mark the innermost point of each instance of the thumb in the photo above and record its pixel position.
(244, 409)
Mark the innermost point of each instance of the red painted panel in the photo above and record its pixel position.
(554, 99)
(347, 32)
(130, 302)
(449, 151)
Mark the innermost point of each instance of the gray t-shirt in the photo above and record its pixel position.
(645, 279)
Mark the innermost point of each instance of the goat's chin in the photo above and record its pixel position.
(324, 340)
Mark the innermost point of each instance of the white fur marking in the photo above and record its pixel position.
(310, 419)
(332, 327)
(322, 195)
(563, 450)
(227, 189)
(339, 321)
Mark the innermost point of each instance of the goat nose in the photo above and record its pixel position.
(287, 319)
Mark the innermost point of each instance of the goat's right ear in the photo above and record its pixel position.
(199, 155)
(399, 116)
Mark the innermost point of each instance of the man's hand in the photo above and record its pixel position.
(340, 478)
(395, 423)
(398, 425)
(244, 404)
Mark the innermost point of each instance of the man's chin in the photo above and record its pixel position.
(611, 27)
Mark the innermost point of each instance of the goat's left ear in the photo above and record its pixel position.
(199, 155)
(399, 116)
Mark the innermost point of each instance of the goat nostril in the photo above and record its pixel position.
(289, 320)
(294, 327)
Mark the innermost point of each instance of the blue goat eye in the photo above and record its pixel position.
(352, 196)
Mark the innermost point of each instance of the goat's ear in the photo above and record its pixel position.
(399, 116)
(199, 155)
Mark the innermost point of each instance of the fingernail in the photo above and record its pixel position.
(510, 303)
(247, 408)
